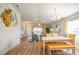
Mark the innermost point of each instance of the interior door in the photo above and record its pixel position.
(29, 33)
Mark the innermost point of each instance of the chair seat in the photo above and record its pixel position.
(59, 45)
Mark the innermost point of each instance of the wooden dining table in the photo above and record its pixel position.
(54, 39)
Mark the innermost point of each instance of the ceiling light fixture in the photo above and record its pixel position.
(55, 17)
(39, 21)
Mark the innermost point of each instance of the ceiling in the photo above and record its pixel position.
(44, 11)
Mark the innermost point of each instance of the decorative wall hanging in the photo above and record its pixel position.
(6, 17)
(14, 19)
(58, 28)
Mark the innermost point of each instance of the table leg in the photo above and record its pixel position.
(73, 51)
(43, 48)
(50, 52)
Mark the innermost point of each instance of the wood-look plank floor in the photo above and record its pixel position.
(29, 48)
(25, 48)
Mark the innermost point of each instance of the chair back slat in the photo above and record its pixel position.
(72, 36)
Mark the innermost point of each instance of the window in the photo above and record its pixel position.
(37, 30)
(73, 28)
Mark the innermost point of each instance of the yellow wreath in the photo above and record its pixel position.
(6, 17)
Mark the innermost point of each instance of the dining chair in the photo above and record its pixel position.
(72, 37)
(72, 40)
(40, 44)
(49, 34)
(62, 45)
(55, 34)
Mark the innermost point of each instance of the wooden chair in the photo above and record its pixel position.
(62, 45)
(55, 34)
(40, 44)
(49, 34)
(72, 36)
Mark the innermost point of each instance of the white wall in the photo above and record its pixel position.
(9, 37)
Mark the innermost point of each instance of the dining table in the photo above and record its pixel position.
(54, 39)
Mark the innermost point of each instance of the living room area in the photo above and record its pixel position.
(39, 29)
